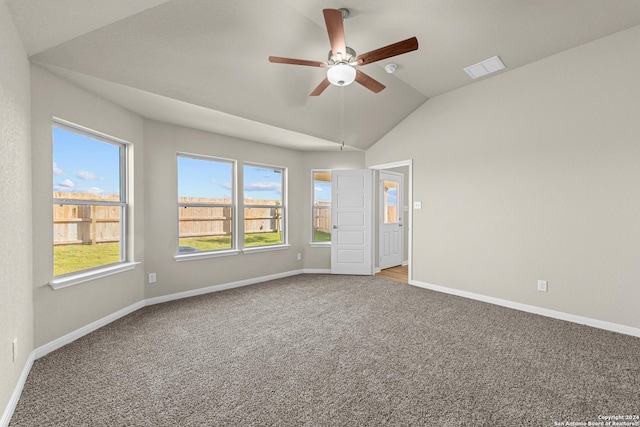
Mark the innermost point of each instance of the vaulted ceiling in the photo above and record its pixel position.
(203, 63)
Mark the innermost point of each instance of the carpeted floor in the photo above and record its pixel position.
(322, 350)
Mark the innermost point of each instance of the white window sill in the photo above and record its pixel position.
(74, 279)
(204, 255)
(320, 244)
(266, 248)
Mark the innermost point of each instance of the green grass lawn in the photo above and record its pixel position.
(213, 243)
(72, 258)
(321, 236)
(206, 243)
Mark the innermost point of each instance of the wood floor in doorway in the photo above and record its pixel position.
(398, 274)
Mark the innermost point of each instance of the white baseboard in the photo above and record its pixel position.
(405, 262)
(17, 391)
(72, 336)
(600, 324)
(78, 333)
(217, 288)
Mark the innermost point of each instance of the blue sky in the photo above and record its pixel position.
(212, 179)
(322, 191)
(84, 165)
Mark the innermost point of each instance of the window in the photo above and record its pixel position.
(206, 208)
(264, 205)
(89, 200)
(390, 202)
(321, 209)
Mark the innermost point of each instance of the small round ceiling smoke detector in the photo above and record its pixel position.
(391, 68)
(345, 12)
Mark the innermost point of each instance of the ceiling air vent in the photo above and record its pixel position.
(485, 67)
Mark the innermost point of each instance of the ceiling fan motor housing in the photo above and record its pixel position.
(347, 57)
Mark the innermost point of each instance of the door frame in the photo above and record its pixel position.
(408, 181)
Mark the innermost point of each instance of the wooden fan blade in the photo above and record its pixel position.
(368, 82)
(321, 87)
(292, 61)
(333, 20)
(395, 49)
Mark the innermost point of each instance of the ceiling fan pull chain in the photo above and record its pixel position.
(342, 117)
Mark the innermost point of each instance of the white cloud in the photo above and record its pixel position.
(95, 190)
(86, 175)
(226, 185)
(318, 188)
(67, 183)
(57, 170)
(263, 186)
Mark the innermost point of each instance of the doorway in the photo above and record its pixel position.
(405, 168)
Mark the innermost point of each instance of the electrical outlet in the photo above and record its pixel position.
(542, 285)
(152, 277)
(14, 347)
(299, 256)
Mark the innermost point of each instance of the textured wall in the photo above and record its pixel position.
(57, 313)
(161, 221)
(533, 174)
(16, 285)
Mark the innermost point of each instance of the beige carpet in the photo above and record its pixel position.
(321, 350)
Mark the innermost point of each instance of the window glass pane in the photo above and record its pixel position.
(85, 168)
(204, 182)
(390, 202)
(262, 185)
(264, 208)
(84, 237)
(322, 206)
(262, 226)
(205, 228)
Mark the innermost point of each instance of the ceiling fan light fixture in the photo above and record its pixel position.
(341, 74)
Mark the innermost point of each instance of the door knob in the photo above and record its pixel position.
(335, 227)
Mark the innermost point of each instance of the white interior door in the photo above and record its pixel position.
(352, 222)
(390, 234)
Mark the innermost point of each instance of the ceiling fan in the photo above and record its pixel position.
(342, 60)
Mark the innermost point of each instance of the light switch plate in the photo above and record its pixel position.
(417, 205)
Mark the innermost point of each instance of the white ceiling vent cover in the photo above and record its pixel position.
(485, 67)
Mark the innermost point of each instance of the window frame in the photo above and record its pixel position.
(284, 207)
(188, 256)
(313, 207)
(123, 264)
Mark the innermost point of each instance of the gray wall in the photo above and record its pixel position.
(59, 312)
(533, 174)
(163, 141)
(16, 292)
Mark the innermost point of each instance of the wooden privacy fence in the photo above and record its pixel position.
(76, 224)
(216, 221)
(79, 224)
(322, 217)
